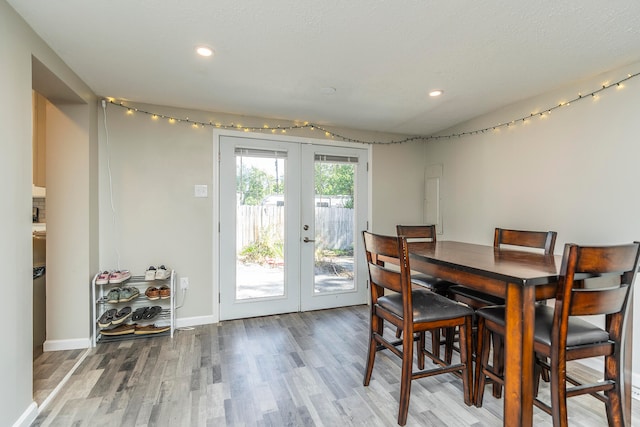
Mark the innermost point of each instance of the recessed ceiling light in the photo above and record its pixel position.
(204, 51)
(436, 92)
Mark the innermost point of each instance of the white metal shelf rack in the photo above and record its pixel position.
(100, 305)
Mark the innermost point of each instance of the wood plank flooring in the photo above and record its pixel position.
(300, 369)
(49, 369)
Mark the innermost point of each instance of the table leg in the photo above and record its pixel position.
(518, 391)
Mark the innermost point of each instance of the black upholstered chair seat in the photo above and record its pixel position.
(427, 306)
(483, 298)
(434, 284)
(580, 332)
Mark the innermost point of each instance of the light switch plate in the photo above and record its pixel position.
(200, 190)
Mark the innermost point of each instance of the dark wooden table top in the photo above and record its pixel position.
(515, 266)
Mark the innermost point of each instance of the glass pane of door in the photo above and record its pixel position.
(260, 223)
(334, 224)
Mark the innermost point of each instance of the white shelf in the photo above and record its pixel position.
(164, 318)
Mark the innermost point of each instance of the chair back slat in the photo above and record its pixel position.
(385, 278)
(601, 260)
(545, 240)
(421, 232)
(586, 302)
(380, 247)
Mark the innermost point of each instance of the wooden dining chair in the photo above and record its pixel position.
(426, 233)
(423, 233)
(545, 240)
(413, 311)
(538, 240)
(561, 335)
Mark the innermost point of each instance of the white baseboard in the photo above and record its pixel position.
(28, 416)
(186, 322)
(74, 344)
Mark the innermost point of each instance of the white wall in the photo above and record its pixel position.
(69, 269)
(575, 171)
(18, 45)
(152, 167)
(15, 244)
(397, 186)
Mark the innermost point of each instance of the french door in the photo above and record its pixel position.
(291, 215)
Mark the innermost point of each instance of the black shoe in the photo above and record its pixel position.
(107, 318)
(152, 312)
(121, 316)
(138, 314)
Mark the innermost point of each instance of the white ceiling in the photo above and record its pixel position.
(273, 58)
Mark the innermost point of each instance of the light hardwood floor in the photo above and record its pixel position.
(301, 369)
(49, 369)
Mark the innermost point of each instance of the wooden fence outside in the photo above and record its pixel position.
(267, 223)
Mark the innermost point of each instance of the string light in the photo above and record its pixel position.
(330, 134)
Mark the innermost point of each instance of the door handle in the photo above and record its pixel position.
(307, 240)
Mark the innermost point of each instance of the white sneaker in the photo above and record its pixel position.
(162, 273)
(150, 274)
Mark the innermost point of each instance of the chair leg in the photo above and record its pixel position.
(405, 380)
(482, 357)
(498, 363)
(466, 357)
(537, 376)
(558, 392)
(420, 350)
(376, 325)
(615, 413)
(544, 374)
(450, 334)
(435, 342)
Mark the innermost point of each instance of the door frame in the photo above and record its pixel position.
(215, 179)
(288, 302)
(309, 300)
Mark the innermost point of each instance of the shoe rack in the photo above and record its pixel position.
(100, 305)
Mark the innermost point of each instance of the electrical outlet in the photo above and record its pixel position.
(200, 190)
(184, 283)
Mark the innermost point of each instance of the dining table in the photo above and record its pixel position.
(521, 277)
